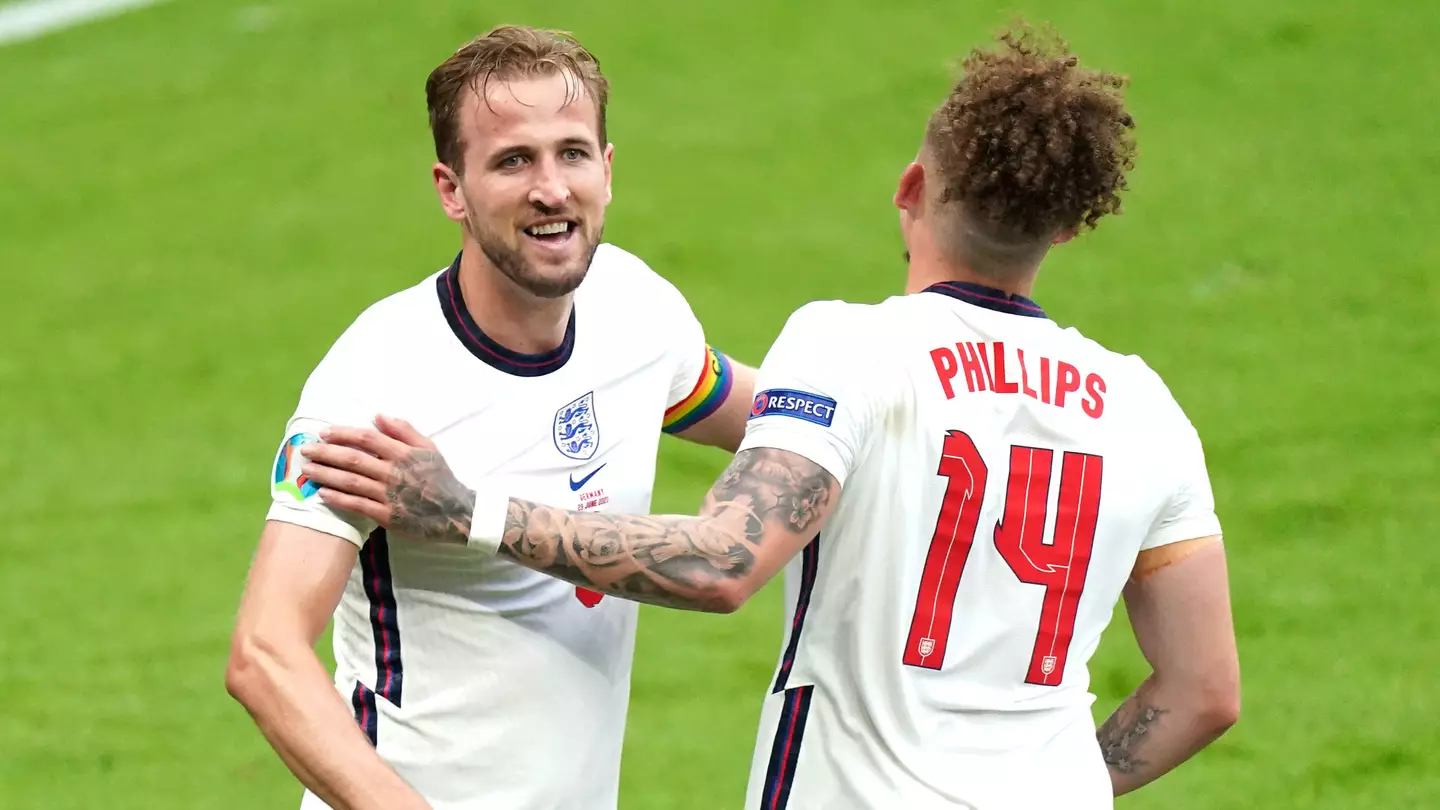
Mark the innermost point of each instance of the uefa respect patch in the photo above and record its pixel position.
(288, 480)
(798, 404)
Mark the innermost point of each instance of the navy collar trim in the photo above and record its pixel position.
(473, 338)
(988, 297)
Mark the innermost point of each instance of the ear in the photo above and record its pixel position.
(609, 158)
(910, 194)
(447, 185)
(1065, 235)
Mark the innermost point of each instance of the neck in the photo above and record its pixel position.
(510, 316)
(926, 270)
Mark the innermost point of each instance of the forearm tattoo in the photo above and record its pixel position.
(1123, 735)
(680, 562)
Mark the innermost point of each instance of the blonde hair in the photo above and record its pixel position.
(506, 52)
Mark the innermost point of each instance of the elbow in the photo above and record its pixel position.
(730, 596)
(248, 671)
(1220, 704)
(1221, 713)
(241, 669)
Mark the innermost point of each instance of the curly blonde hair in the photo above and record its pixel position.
(1030, 143)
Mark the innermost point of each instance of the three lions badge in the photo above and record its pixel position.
(577, 434)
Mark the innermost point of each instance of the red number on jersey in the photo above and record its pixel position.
(949, 549)
(1059, 566)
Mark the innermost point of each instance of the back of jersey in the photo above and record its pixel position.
(999, 476)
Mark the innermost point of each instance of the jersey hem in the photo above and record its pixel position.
(1180, 532)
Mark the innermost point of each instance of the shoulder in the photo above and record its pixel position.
(1151, 405)
(418, 303)
(634, 303)
(1129, 369)
(1132, 384)
(1169, 416)
(835, 337)
(837, 319)
(382, 334)
(853, 334)
(618, 273)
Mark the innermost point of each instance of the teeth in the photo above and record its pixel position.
(553, 227)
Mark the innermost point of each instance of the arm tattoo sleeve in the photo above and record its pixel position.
(680, 562)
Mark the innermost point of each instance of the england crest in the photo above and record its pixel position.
(577, 434)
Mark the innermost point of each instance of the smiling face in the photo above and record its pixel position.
(535, 179)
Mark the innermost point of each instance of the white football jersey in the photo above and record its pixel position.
(999, 476)
(483, 683)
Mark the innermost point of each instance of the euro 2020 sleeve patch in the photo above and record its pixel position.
(287, 480)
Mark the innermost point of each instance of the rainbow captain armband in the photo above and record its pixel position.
(707, 396)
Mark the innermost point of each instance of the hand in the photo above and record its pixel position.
(394, 476)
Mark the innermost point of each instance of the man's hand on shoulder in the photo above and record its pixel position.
(394, 476)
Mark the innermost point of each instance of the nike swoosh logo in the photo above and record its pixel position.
(575, 485)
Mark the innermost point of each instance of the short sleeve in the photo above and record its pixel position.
(687, 354)
(1189, 511)
(818, 393)
(700, 378)
(333, 395)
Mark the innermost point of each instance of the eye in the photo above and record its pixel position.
(511, 161)
(573, 155)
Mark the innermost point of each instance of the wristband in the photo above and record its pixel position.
(487, 522)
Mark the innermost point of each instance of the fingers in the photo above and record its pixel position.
(347, 482)
(336, 499)
(403, 431)
(340, 457)
(370, 440)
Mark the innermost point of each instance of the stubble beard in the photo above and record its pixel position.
(509, 261)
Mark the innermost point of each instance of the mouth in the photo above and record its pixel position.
(552, 234)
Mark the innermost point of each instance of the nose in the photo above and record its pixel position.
(550, 189)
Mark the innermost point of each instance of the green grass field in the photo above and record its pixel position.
(196, 198)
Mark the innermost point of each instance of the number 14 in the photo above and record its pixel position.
(1059, 566)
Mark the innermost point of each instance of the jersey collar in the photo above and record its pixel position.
(472, 337)
(988, 297)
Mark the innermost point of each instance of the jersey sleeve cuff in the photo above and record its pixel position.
(1196, 527)
(814, 448)
(320, 522)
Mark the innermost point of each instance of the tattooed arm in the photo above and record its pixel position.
(1180, 612)
(761, 512)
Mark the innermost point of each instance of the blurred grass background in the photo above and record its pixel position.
(196, 198)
